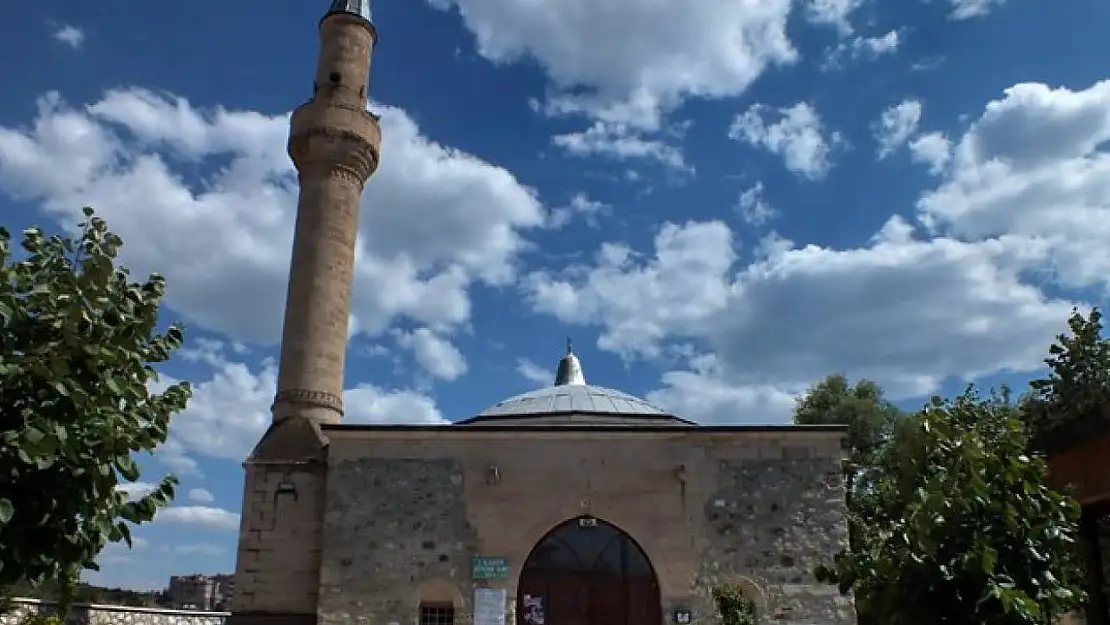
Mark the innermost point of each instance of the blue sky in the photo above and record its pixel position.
(720, 201)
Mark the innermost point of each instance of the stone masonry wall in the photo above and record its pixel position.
(398, 522)
(277, 569)
(756, 508)
(770, 524)
(92, 614)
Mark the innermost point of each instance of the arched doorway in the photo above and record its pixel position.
(588, 572)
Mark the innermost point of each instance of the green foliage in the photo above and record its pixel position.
(81, 592)
(78, 341)
(871, 420)
(1078, 382)
(42, 618)
(868, 415)
(958, 525)
(733, 606)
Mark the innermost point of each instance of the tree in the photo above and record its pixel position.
(871, 420)
(78, 343)
(1077, 387)
(959, 526)
(1072, 400)
(868, 415)
(733, 606)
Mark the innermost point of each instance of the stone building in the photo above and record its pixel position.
(572, 503)
(192, 592)
(568, 505)
(201, 592)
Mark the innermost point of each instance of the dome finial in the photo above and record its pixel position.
(570, 369)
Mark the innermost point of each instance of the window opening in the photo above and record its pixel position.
(437, 614)
(578, 547)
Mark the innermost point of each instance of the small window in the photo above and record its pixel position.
(437, 614)
(335, 77)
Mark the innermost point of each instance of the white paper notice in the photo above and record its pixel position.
(489, 606)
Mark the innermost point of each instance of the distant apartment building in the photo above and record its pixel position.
(201, 592)
(225, 590)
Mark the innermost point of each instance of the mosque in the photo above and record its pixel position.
(573, 504)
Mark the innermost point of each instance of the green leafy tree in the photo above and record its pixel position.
(78, 342)
(1076, 392)
(862, 407)
(733, 606)
(959, 526)
(871, 420)
(1077, 387)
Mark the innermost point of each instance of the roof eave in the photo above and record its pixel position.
(644, 417)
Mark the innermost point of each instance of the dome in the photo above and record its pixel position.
(571, 400)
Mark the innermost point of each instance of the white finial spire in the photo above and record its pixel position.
(570, 369)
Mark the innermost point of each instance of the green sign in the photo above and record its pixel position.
(487, 567)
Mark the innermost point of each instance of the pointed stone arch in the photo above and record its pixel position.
(590, 571)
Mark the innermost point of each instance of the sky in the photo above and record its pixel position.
(720, 201)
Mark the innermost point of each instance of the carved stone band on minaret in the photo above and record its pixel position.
(309, 398)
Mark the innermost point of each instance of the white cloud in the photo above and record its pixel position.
(833, 12)
(798, 136)
(620, 142)
(201, 517)
(137, 490)
(230, 410)
(370, 404)
(71, 36)
(904, 312)
(200, 495)
(174, 455)
(895, 126)
(204, 549)
(861, 48)
(534, 373)
(437, 219)
(641, 304)
(434, 353)
(580, 206)
(933, 149)
(666, 52)
(753, 206)
(702, 392)
(1035, 165)
(951, 291)
(965, 9)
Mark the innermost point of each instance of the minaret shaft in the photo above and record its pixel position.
(314, 338)
(334, 144)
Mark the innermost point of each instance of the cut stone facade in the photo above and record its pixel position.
(408, 508)
(94, 614)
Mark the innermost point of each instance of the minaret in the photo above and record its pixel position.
(333, 142)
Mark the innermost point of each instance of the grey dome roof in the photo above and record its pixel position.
(571, 396)
(578, 398)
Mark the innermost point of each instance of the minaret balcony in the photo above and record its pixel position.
(323, 132)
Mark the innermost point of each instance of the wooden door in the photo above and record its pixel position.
(588, 574)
